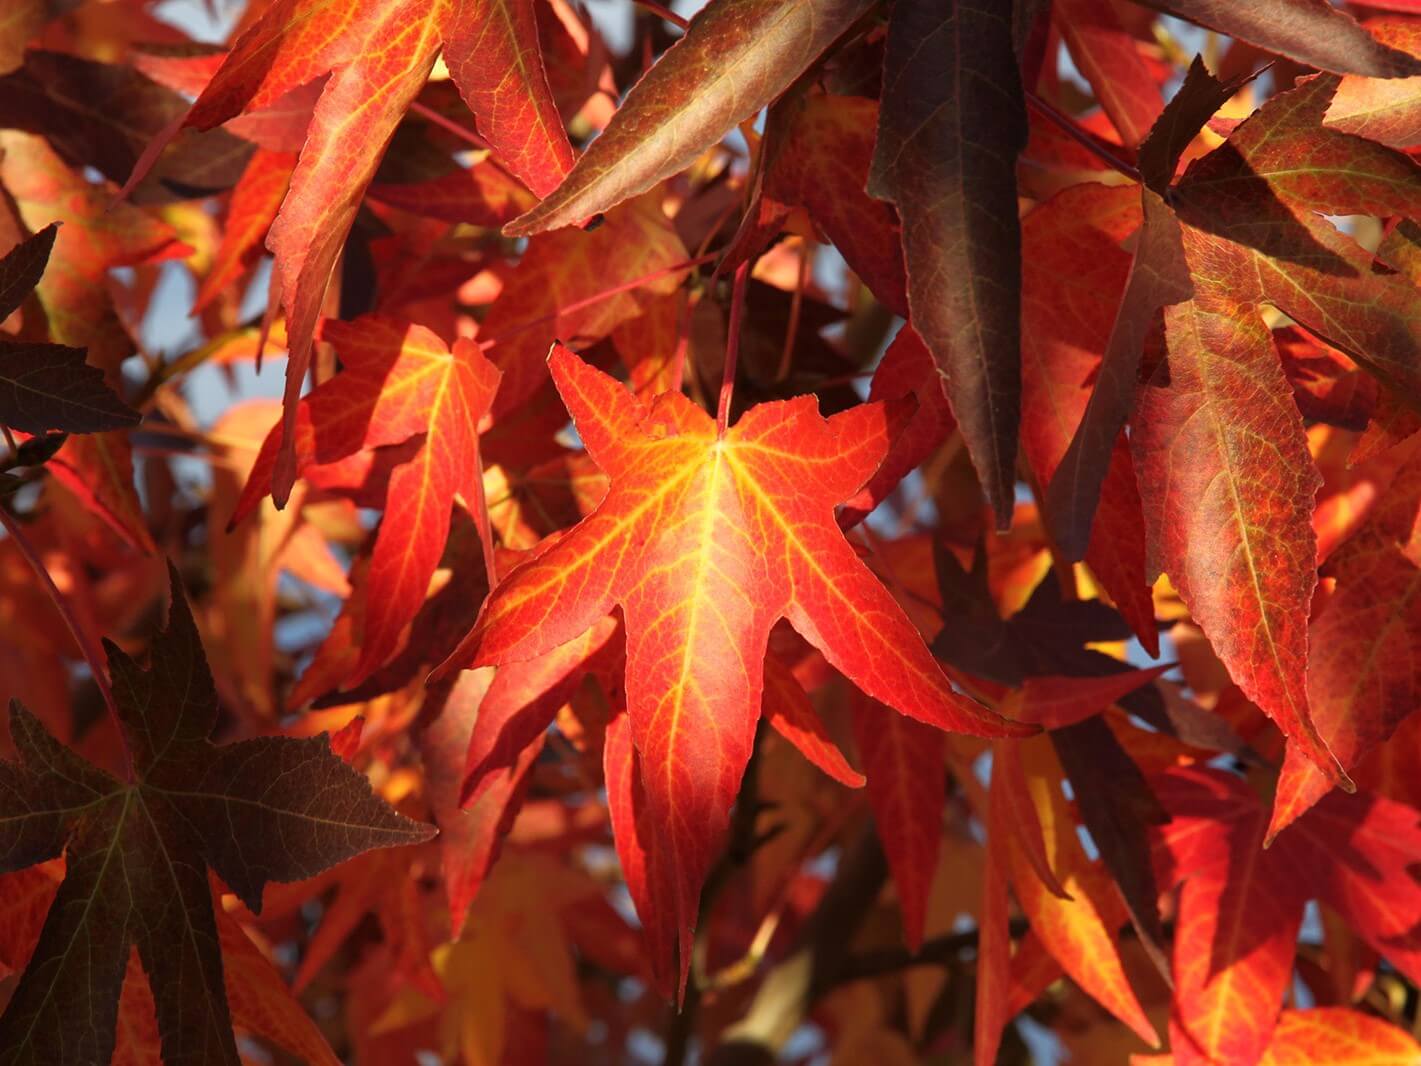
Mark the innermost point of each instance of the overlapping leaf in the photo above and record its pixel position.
(48, 386)
(1311, 31)
(907, 786)
(399, 381)
(1073, 276)
(378, 56)
(951, 122)
(1232, 524)
(137, 852)
(1240, 906)
(736, 57)
(1071, 908)
(1364, 676)
(705, 542)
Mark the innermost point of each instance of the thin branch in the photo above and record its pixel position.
(796, 306)
(97, 664)
(1071, 129)
(467, 135)
(663, 12)
(939, 950)
(790, 988)
(482, 520)
(732, 347)
(428, 113)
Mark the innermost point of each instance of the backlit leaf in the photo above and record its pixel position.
(671, 546)
(736, 57)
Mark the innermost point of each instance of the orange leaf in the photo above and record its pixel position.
(907, 787)
(399, 380)
(1364, 676)
(1078, 927)
(788, 710)
(255, 200)
(378, 56)
(705, 542)
(1338, 1036)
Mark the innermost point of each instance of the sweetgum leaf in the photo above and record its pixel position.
(1073, 274)
(1310, 31)
(22, 268)
(104, 114)
(49, 386)
(907, 786)
(950, 125)
(1339, 1036)
(736, 57)
(378, 56)
(137, 854)
(1073, 909)
(399, 381)
(1241, 906)
(1232, 523)
(1364, 673)
(1109, 58)
(1158, 276)
(705, 542)
(1382, 110)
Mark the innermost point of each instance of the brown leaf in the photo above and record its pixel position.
(950, 126)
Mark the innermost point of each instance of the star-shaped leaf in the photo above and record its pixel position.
(705, 541)
(1240, 906)
(137, 853)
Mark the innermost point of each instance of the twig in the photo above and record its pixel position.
(796, 306)
(1068, 126)
(882, 961)
(732, 347)
(97, 664)
(789, 989)
(449, 125)
(740, 847)
(663, 12)
(428, 113)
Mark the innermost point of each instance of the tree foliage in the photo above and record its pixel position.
(815, 532)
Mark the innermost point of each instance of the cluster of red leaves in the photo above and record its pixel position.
(1063, 527)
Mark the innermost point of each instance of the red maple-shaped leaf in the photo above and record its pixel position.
(1364, 671)
(378, 56)
(705, 541)
(398, 381)
(1240, 906)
